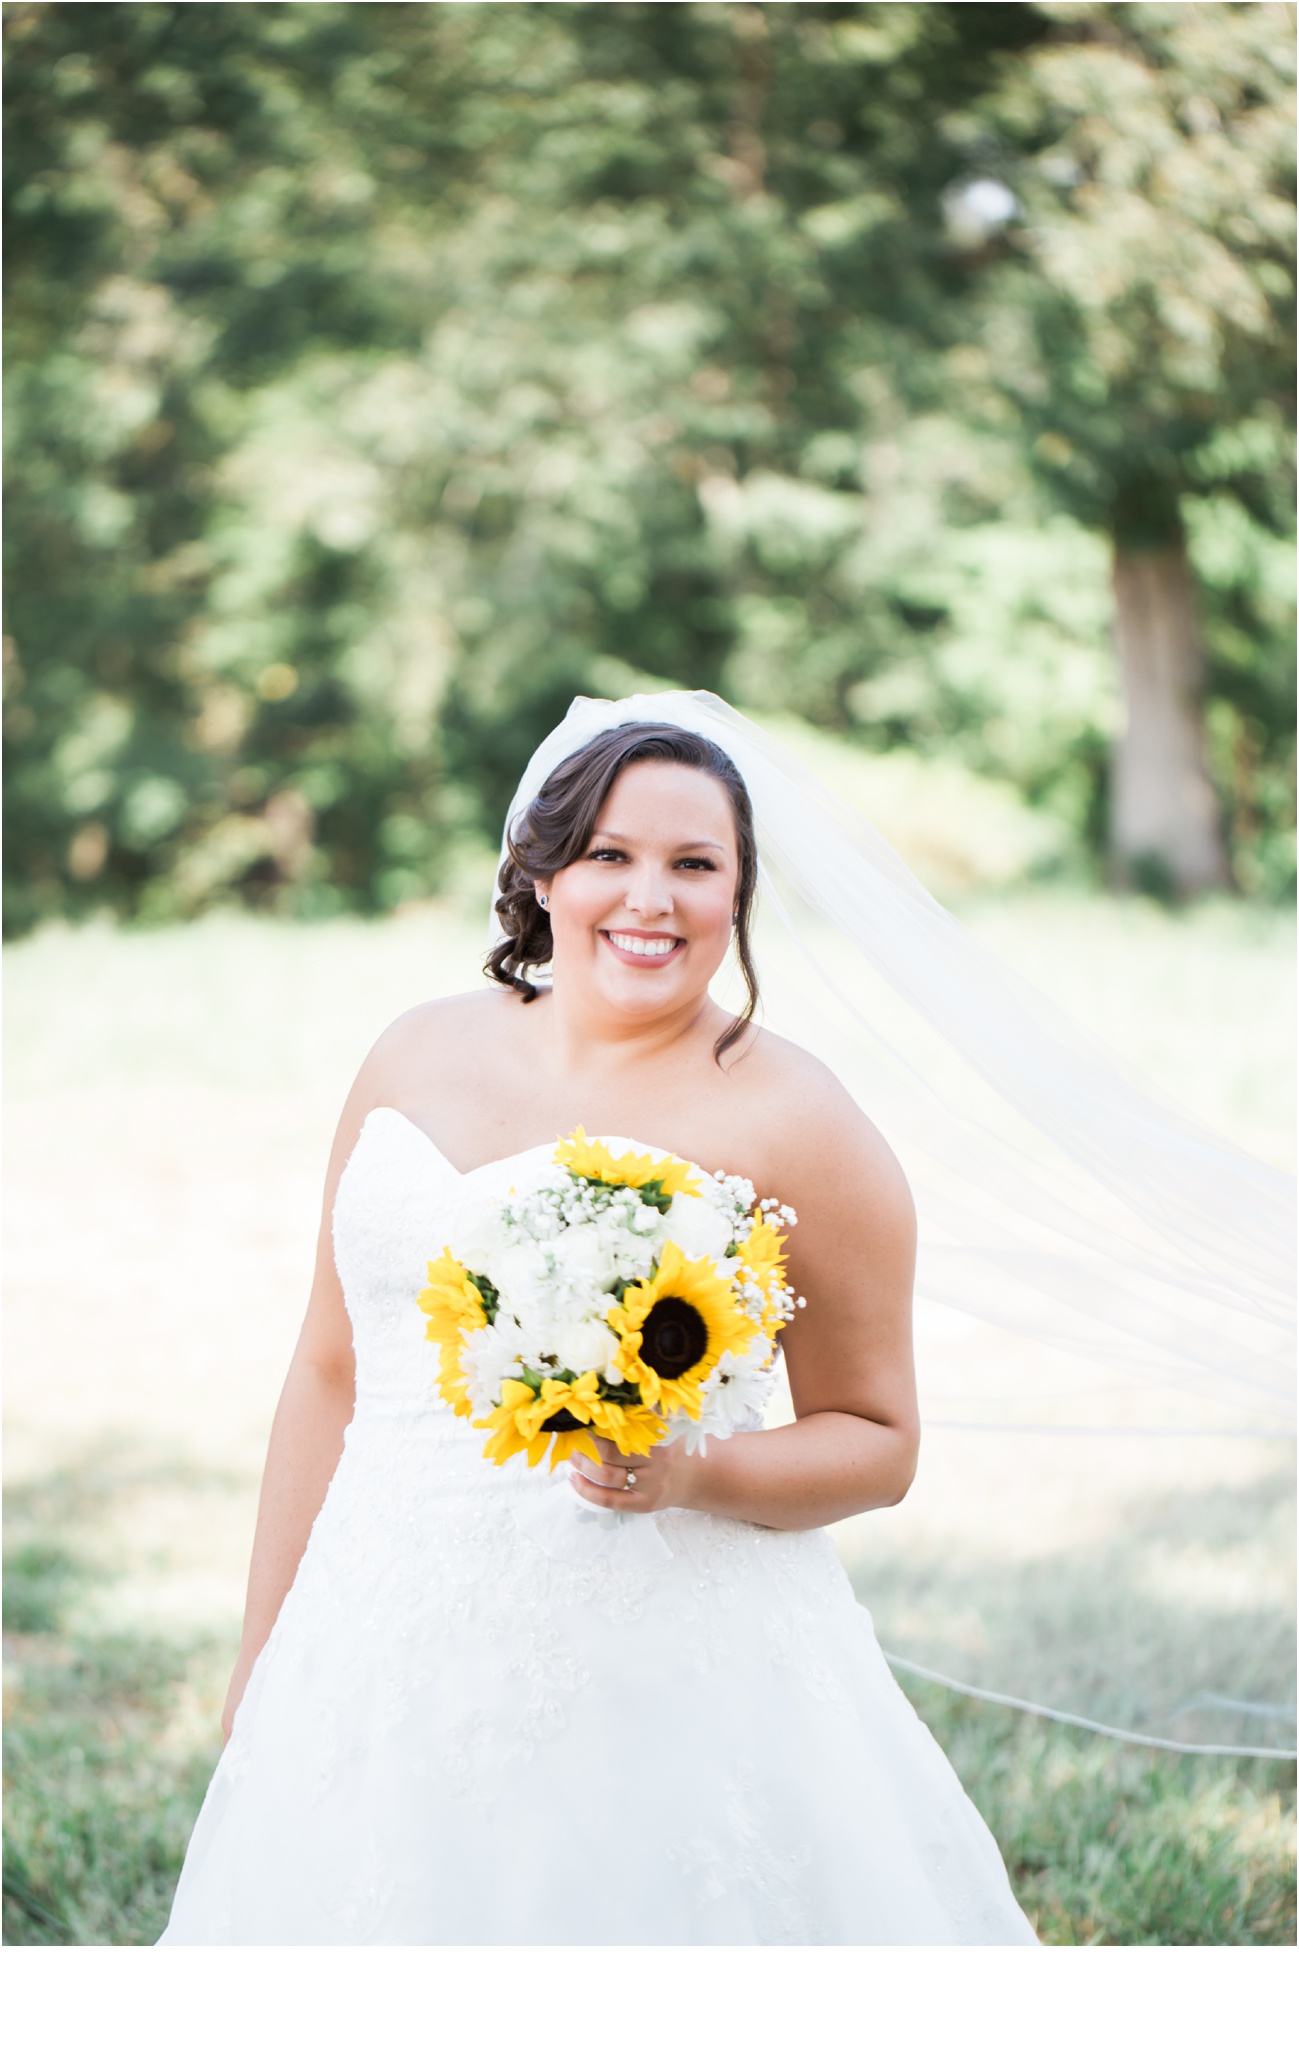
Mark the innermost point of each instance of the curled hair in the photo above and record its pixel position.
(556, 829)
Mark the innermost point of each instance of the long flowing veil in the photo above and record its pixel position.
(1105, 1294)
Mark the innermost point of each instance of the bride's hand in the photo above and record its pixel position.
(664, 1479)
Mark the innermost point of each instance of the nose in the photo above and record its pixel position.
(649, 890)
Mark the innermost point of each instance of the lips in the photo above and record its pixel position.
(647, 947)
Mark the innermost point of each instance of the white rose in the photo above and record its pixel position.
(586, 1347)
(520, 1273)
(695, 1225)
(587, 1252)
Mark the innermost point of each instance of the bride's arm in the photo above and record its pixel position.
(851, 1372)
(316, 1404)
(314, 1409)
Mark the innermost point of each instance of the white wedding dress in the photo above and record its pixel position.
(459, 1732)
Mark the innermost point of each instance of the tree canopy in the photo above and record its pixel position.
(381, 375)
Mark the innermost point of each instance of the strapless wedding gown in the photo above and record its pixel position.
(458, 1732)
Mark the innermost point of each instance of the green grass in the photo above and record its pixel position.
(100, 1806)
(109, 1743)
(1109, 1845)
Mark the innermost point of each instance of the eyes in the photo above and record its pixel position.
(698, 862)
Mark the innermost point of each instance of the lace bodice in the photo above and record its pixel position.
(395, 1209)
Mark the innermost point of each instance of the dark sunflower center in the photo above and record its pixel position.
(674, 1336)
(561, 1420)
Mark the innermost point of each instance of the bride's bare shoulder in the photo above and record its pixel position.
(450, 1017)
(814, 1135)
(432, 1035)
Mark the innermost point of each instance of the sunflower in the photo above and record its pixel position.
(674, 1327)
(554, 1416)
(590, 1160)
(762, 1258)
(454, 1307)
(632, 1430)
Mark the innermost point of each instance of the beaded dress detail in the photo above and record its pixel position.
(451, 1726)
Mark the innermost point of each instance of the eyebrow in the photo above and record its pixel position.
(686, 845)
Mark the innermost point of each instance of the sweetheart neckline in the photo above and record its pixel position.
(461, 1173)
(508, 1158)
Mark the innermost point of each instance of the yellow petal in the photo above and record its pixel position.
(594, 1161)
(633, 1430)
(503, 1442)
(565, 1442)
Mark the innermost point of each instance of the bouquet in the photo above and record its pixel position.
(633, 1298)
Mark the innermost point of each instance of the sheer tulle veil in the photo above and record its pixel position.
(1103, 1277)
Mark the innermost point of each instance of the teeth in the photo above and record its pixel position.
(626, 944)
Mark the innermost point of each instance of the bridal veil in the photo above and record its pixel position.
(1105, 1295)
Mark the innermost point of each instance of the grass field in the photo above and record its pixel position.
(171, 1099)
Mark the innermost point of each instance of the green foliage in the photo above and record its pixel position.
(1139, 326)
(186, 224)
(40, 1580)
(382, 375)
(1146, 332)
(1246, 576)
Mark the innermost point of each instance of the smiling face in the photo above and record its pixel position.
(641, 921)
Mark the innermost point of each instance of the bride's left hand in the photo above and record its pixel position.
(661, 1480)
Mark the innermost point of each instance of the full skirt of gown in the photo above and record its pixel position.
(462, 1731)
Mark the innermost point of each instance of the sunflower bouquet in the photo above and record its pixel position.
(634, 1299)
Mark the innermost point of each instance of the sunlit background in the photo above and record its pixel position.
(920, 379)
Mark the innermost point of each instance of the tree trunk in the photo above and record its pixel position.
(1165, 830)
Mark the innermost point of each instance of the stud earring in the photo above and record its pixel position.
(543, 901)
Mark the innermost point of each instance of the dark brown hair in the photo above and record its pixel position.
(556, 829)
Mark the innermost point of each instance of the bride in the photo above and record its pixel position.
(445, 1728)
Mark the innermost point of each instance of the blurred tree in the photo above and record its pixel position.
(1137, 168)
(381, 375)
(185, 219)
(377, 373)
